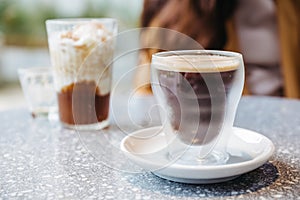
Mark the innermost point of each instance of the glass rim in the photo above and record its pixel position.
(225, 54)
(197, 60)
(64, 21)
(35, 70)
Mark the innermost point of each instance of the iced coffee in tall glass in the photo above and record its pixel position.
(81, 52)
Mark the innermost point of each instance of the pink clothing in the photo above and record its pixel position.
(257, 32)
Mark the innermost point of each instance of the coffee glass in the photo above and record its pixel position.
(81, 52)
(198, 92)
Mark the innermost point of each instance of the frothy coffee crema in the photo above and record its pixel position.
(82, 103)
(200, 63)
(197, 111)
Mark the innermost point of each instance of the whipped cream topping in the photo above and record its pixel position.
(83, 53)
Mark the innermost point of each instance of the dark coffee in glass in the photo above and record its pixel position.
(190, 99)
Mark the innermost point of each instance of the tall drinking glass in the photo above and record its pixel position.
(81, 52)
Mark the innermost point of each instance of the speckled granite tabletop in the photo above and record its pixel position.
(40, 160)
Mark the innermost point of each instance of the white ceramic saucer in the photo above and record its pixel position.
(248, 150)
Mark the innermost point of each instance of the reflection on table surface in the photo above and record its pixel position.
(39, 159)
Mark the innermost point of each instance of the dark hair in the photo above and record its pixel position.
(202, 20)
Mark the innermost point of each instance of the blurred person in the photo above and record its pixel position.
(266, 32)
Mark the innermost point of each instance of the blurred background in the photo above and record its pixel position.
(23, 39)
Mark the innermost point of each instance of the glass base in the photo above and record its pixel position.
(40, 112)
(87, 127)
(191, 157)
